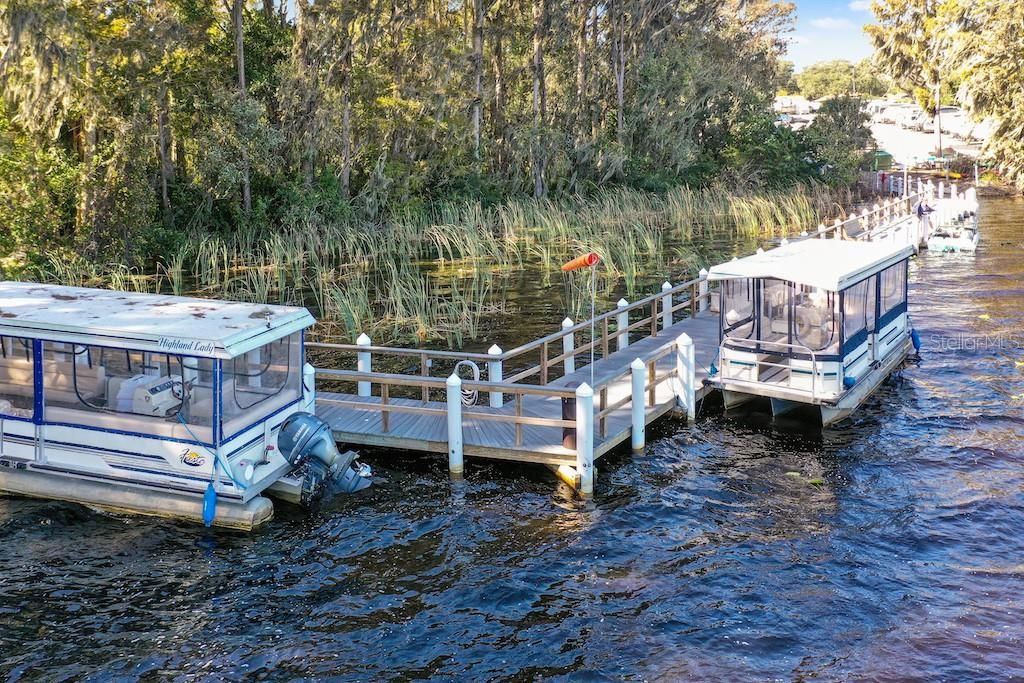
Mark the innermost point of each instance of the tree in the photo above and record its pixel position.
(839, 138)
(840, 77)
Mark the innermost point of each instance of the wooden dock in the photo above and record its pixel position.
(651, 357)
(419, 425)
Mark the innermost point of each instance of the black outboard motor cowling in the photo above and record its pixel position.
(306, 442)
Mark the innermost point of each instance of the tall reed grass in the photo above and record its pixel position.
(430, 274)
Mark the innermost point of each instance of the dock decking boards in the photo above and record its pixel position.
(540, 444)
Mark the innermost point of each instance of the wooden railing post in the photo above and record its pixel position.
(637, 412)
(363, 364)
(621, 323)
(385, 414)
(425, 372)
(666, 306)
(585, 438)
(454, 391)
(544, 364)
(693, 299)
(705, 301)
(604, 337)
(309, 388)
(568, 344)
(494, 375)
(686, 372)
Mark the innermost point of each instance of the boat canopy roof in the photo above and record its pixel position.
(830, 264)
(157, 323)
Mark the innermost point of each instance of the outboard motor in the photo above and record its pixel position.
(306, 441)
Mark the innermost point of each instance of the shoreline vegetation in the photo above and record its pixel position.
(430, 276)
(390, 164)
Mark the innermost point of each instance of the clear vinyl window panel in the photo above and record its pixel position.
(259, 382)
(893, 287)
(814, 319)
(738, 308)
(17, 380)
(858, 308)
(125, 390)
(775, 310)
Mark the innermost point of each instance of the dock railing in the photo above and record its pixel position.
(551, 356)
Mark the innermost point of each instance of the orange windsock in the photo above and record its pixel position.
(585, 261)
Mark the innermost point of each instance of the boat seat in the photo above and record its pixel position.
(58, 381)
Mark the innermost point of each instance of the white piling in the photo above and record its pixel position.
(821, 231)
(702, 291)
(637, 371)
(666, 305)
(308, 388)
(363, 364)
(585, 438)
(494, 375)
(568, 344)
(621, 323)
(454, 395)
(686, 371)
(838, 233)
(952, 191)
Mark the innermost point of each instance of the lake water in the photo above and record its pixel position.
(888, 548)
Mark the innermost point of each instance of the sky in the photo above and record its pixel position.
(829, 29)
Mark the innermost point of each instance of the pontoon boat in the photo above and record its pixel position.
(159, 404)
(815, 322)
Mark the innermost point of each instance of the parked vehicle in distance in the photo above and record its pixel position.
(957, 123)
(905, 117)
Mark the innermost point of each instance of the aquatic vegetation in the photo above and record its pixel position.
(429, 274)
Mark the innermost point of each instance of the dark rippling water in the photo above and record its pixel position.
(736, 549)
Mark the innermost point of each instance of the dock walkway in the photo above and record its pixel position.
(359, 420)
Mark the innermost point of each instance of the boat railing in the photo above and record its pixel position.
(756, 347)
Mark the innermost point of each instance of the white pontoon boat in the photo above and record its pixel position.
(959, 234)
(161, 405)
(814, 322)
(956, 229)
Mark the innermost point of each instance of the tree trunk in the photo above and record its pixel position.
(86, 217)
(619, 69)
(164, 150)
(595, 103)
(580, 122)
(498, 116)
(346, 122)
(236, 16)
(478, 77)
(539, 97)
(308, 88)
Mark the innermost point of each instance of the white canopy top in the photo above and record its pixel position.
(829, 264)
(146, 322)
